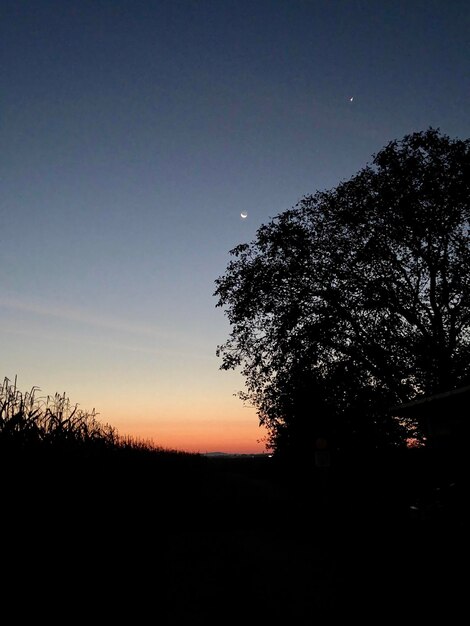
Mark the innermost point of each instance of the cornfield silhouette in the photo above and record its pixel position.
(52, 449)
(56, 457)
(31, 422)
(27, 420)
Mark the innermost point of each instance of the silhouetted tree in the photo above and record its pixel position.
(357, 298)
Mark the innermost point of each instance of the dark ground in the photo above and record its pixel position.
(236, 541)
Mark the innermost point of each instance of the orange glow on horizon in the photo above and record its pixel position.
(235, 435)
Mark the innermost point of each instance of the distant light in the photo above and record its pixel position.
(351, 99)
(243, 215)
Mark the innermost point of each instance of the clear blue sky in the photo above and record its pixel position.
(133, 134)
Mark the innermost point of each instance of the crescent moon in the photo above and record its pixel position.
(243, 215)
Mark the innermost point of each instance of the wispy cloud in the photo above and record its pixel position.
(102, 342)
(176, 343)
(81, 316)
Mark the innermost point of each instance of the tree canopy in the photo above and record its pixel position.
(357, 298)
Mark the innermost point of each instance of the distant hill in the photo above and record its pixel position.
(233, 455)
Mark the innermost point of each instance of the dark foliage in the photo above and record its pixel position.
(356, 299)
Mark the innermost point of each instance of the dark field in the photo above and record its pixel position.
(198, 541)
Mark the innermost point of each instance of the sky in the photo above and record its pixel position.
(134, 134)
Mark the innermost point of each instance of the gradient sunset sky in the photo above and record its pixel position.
(133, 135)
